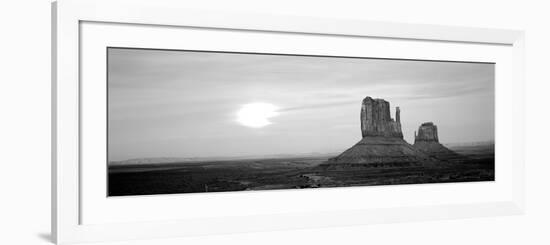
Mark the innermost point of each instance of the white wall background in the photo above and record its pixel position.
(25, 122)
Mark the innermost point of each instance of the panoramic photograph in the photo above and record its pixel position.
(187, 121)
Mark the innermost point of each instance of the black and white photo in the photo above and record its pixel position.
(185, 121)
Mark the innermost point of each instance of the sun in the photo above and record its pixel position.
(256, 115)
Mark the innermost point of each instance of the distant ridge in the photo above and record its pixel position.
(475, 143)
(139, 161)
(167, 160)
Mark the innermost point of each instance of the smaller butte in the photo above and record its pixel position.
(427, 141)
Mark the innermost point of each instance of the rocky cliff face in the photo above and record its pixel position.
(427, 132)
(376, 119)
(427, 141)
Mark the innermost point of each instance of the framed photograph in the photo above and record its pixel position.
(170, 122)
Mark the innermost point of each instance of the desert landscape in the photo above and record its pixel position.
(198, 121)
(381, 157)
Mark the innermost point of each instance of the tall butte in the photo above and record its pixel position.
(382, 140)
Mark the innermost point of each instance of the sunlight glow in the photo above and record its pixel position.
(256, 115)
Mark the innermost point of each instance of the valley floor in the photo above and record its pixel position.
(291, 173)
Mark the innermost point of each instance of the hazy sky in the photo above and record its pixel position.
(185, 104)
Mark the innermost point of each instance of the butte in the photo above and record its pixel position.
(427, 141)
(382, 142)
